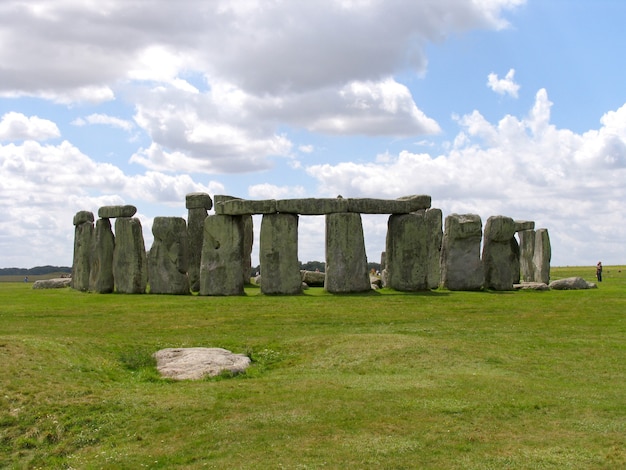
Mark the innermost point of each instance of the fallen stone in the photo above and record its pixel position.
(313, 278)
(572, 283)
(55, 283)
(197, 363)
(113, 212)
(531, 286)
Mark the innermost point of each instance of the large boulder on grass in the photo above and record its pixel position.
(56, 283)
(572, 283)
(197, 363)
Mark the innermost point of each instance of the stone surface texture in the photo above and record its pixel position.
(461, 266)
(346, 261)
(572, 283)
(130, 269)
(113, 212)
(198, 201)
(222, 253)
(500, 256)
(542, 256)
(407, 247)
(83, 238)
(198, 363)
(167, 259)
(278, 254)
(527, 251)
(56, 283)
(103, 246)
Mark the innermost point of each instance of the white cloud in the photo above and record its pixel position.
(16, 126)
(270, 191)
(106, 120)
(504, 86)
(523, 168)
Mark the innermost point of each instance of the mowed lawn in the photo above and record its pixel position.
(467, 380)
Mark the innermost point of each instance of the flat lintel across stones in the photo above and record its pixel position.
(113, 212)
(322, 206)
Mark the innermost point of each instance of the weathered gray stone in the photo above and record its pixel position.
(572, 283)
(346, 261)
(113, 212)
(521, 225)
(197, 363)
(542, 255)
(82, 217)
(130, 269)
(407, 252)
(402, 205)
(461, 267)
(101, 275)
(83, 236)
(195, 238)
(248, 240)
(245, 207)
(56, 283)
(434, 223)
(498, 255)
(312, 206)
(167, 259)
(515, 261)
(198, 201)
(313, 278)
(531, 286)
(527, 251)
(222, 254)
(278, 254)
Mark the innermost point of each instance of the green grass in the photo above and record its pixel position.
(467, 380)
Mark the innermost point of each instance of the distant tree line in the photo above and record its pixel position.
(314, 266)
(36, 271)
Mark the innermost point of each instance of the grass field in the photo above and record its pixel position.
(467, 380)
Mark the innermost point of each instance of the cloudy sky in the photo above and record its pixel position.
(492, 107)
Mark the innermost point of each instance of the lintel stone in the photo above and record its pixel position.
(198, 201)
(83, 216)
(404, 205)
(245, 207)
(312, 206)
(521, 225)
(113, 212)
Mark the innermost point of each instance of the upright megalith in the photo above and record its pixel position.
(499, 256)
(278, 254)
(101, 275)
(83, 235)
(542, 256)
(248, 240)
(527, 252)
(129, 257)
(434, 224)
(198, 205)
(167, 259)
(407, 252)
(346, 261)
(461, 267)
(222, 252)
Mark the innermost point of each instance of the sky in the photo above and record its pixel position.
(491, 107)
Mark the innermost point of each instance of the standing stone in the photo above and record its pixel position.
(346, 261)
(542, 256)
(407, 252)
(461, 268)
(197, 205)
(434, 223)
(222, 253)
(515, 262)
(129, 257)
(278, 254)
(248, 239)
(101, 275)
(527, 252)
(384, 274)
(498, 256)
(83, 235)
(167, 259)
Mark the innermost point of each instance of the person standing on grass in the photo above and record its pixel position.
(599, 271)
